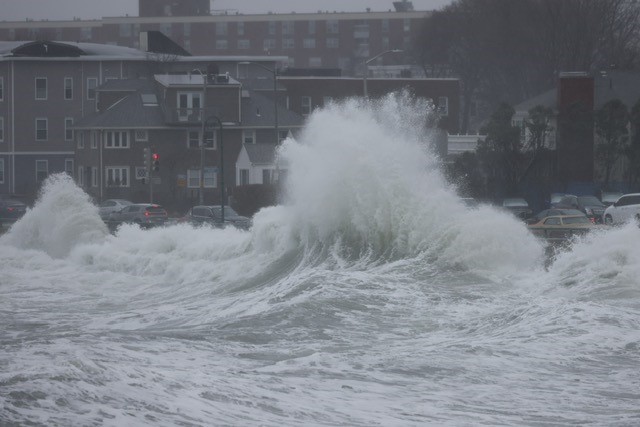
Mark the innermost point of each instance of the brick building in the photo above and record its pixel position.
(343, 40)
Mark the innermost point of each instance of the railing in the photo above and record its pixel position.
(186, 115)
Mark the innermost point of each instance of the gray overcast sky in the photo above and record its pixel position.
(18, 10)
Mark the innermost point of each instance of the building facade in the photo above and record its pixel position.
(344, 40)
(98, 112)
(46, 88)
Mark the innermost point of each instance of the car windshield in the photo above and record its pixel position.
(611, 197)
(515, 203)
(576, 220)
(156, 210)
(228, 211)
(589, 201)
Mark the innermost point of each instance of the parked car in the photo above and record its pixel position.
(623, 210)
(553, 212)
(608, 198)
(518, 206)
(212, 215)
(146, 215)
(562, 226)
(554, 198)
(589, 205)
(112, 205)
(11, 210)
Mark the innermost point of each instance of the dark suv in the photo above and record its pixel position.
(146, 215)
(589, 205)
(212, 215)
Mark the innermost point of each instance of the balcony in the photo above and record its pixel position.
(186, 115)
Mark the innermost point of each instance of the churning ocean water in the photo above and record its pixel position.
(370, 297)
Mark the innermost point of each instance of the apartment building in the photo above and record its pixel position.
(91, 110)
(46, 88)
(343, 40)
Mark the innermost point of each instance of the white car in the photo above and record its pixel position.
(112, 205)
(626, 208)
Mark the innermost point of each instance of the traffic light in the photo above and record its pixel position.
(145, 155)
(155, 157)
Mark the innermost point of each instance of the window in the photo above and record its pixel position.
(141, 172)
(267, 175)
(186, 29)
(332, 26)
(222, 44)
(333, 43)
(94, 139)
(125, 30)
(272, 28)
(86, 33)
(68, 129)
(68, 166)
(249, 136)
(552, 221)
(305, 108)
(1, 88)
(68, 88)
(288, 44)
(92, 83)
(443, 105)
(1, 171)
(166, 29)
(117, 176)
(41, 129)
(193, 139)
(94, 176)
(287, 28)
(309, 43)
(193, 178)
(42, 170)
(240, 26)
(315, 62)
(244, 44)
(81, 176)
(385, 25)
(210, 177)
(361, 30)
(312, 27)
(189, 106)
(116, 139)
(141, 135)
(80, 139)
(1, 128)
(244, 177)
(221, 28)
(209, 140)
(41, 88)
(268, 44)
(407, 25)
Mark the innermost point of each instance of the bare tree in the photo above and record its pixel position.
(611, 127)
(508, 51)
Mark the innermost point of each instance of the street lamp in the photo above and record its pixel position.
(202, 107)
(275, 92)
(221, 166)
(366, 67)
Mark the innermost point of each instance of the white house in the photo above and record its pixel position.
(256, 164)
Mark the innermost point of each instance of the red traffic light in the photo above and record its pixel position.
(155, 156)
